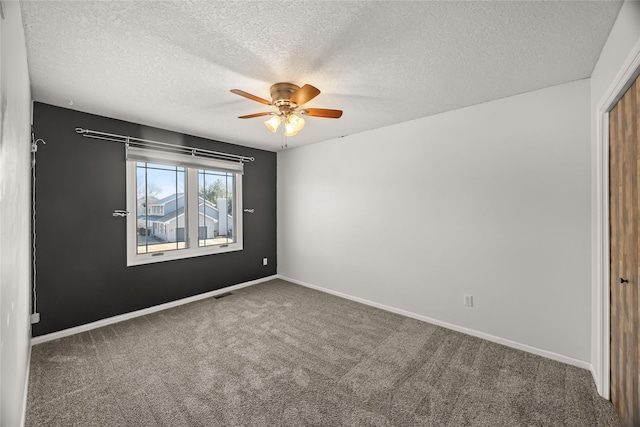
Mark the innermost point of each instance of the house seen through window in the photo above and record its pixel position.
(160, 211)
(182, 210)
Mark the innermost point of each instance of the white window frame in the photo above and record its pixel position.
(191, 164)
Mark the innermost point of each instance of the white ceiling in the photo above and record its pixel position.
(172, 64)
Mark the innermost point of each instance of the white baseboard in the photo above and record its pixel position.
(513, 344)
(596, 378)
(25, 396)
(122, 317)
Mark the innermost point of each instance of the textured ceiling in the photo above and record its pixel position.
(172, 64)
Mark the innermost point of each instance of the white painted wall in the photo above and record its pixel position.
(15, 192)
(491, 200)
(622, 41)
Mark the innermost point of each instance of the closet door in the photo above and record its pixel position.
(624, 151)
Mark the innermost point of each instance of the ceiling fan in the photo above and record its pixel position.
(288, 98)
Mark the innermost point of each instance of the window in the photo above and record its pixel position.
(215, 205)
(161, 187)
(181, 206)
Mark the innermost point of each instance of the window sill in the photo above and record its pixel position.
(155, 257)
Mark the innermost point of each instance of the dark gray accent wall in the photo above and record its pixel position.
(81, 269)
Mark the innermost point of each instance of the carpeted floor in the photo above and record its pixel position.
(278, 354)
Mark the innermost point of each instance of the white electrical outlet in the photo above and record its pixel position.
(264, 261)
(468, 300)
(35, 318)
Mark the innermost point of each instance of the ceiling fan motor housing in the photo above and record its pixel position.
(281, 93)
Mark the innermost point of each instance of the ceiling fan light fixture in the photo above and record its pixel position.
(273, 123)
(293, 124)
(289, 129)
(296, 122)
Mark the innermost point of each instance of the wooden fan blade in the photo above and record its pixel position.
(252, 97)
(322, 112)
(251, 116)
(305, 94)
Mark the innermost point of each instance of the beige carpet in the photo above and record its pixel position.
(278, 354)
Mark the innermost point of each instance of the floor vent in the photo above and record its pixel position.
(226, 294)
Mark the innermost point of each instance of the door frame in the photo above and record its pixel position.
(625, 77)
